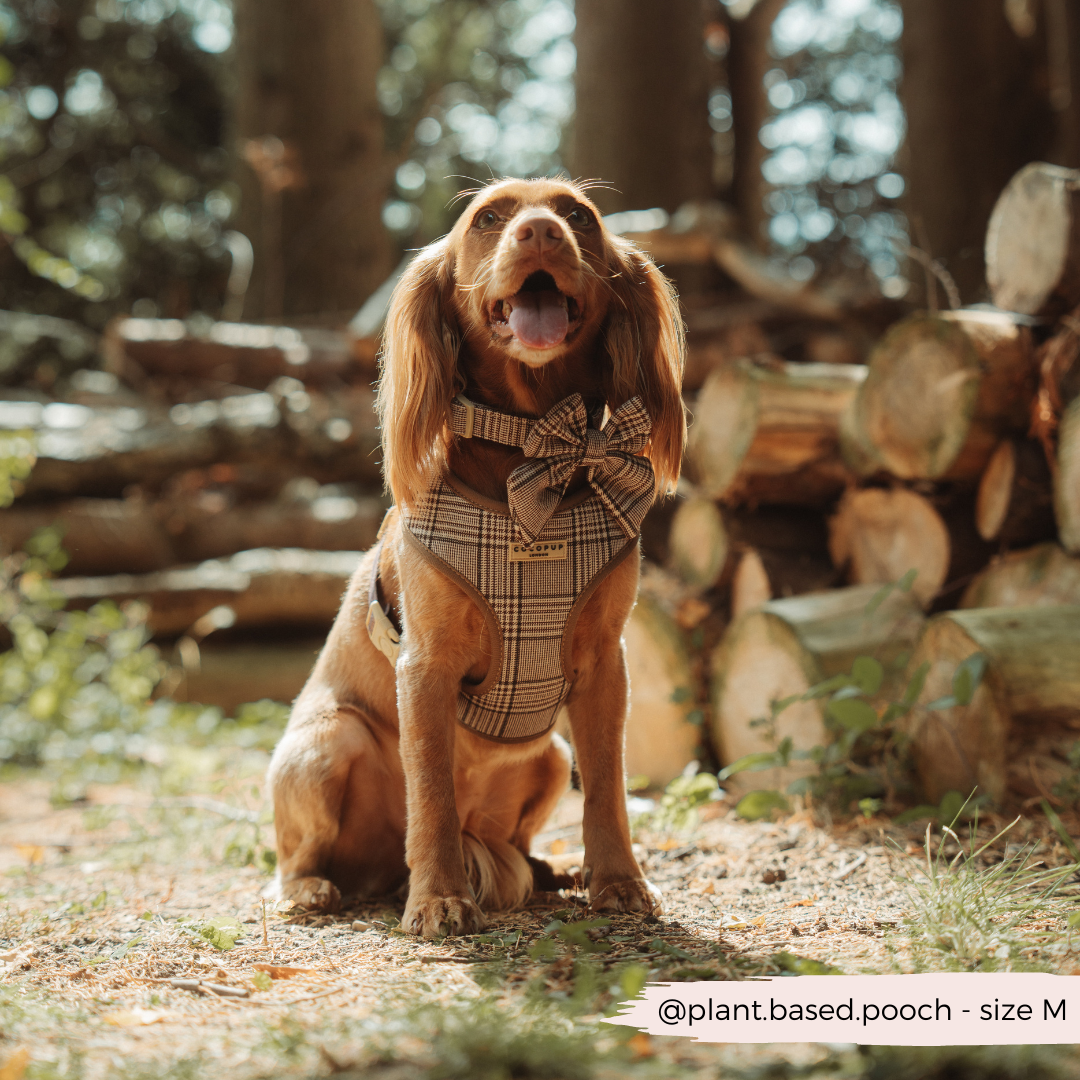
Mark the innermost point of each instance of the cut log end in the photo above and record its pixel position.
(995, 491)
(750, 587)
(698, 542)
(1032, 241)
(660, 737)
(881, 535)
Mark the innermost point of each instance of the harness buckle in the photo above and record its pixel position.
(470, 415)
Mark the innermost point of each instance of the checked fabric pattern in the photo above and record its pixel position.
(529, 602)
(562, 442)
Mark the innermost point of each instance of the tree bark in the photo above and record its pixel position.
(263, 588)
(771, 433)
(642, 89)
(975, 96)
(309, 143)
(1042, 576)
(748, 60)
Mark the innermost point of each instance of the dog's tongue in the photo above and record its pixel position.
(539, 319)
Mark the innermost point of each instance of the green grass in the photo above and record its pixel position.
(973, 917)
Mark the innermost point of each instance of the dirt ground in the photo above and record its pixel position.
(103, 971)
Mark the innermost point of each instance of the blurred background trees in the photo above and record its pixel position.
(149, 147)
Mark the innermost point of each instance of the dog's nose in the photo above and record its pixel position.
(540, 233)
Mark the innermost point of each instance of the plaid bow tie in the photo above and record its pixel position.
(562, 442)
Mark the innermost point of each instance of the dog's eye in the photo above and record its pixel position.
(486, 219)
(579, 217)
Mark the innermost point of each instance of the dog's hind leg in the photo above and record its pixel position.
(338, 807)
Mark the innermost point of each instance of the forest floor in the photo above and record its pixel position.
(110, 964)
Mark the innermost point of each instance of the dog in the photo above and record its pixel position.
(528, 308)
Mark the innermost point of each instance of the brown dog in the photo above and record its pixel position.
(527, 301)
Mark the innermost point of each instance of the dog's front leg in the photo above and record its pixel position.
(597, 708)
(439, 895)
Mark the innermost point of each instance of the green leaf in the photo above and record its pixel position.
(867, 674)
(916, 813)
(822, 689)
(951, 807)
(905, 583)
(121, 950)
(783, 751)
(801, 965)
(221, 932)
(878, 599)
(262, 981)
(941, 703)
(750, 763)
(854, 714)
(661, 946)
(778, 705)
(632, 981)
(916, 683)
(760, 804)
(967, 678)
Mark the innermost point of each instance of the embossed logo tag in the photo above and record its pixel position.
(541, 551)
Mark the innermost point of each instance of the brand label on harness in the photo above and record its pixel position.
(541, 551)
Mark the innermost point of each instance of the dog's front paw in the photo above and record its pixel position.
(433, 916)
(311, 893)
(637, 894)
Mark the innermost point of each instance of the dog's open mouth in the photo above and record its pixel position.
(539, 315)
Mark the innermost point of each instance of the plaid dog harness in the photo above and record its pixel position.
(530, 564)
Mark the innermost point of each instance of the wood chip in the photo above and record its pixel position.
(851, 867)
(278, 971)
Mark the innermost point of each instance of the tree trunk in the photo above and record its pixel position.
(642, 89)
(783, 649)
(940, 393)
(309, 139)
(748, 60)
(1042, 576)
(1032, 677)
(263, 588)
(133, 536)
(1033, 242)
(880, 535)
(975, 96)
(101, 451)
(242, 354)
(230, 674)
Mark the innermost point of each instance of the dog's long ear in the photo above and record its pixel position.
(646, 342)
(419, 372)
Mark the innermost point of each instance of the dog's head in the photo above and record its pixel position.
(528, 290)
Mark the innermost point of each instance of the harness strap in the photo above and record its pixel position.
(384, 635)
(473, 421)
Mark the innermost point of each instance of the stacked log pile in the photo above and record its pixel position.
(954, 452)
(229, 476)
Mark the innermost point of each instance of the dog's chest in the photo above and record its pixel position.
(530, 596)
